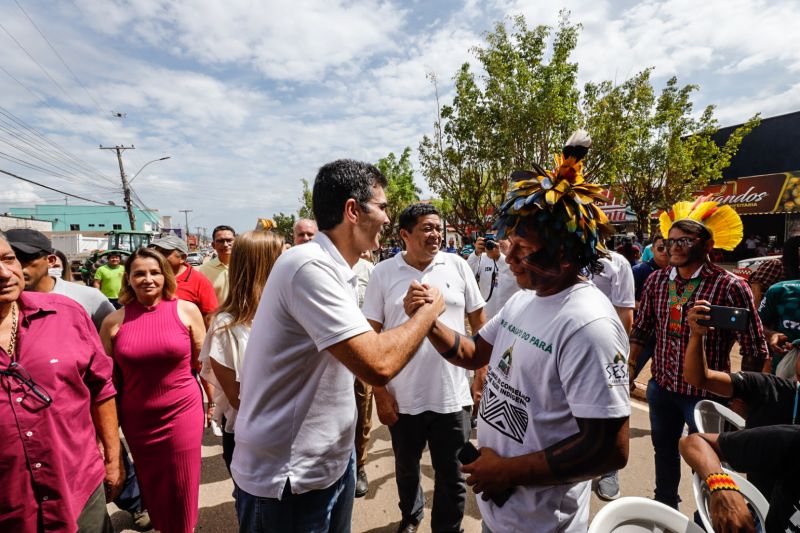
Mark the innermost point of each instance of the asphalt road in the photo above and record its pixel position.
(377, 512)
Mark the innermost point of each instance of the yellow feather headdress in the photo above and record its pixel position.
(722, 221)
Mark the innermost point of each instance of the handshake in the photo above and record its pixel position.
(420, 295)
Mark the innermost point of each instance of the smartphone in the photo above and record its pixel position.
(469, 454)
(489, 236)
(723, 317)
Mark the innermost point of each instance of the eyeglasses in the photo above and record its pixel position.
(683, 242)
(17, 371)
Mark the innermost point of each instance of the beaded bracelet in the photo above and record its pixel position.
(721, 481)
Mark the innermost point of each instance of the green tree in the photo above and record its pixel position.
(284, 225)
(400, 191)
(656, 151)
(518, 112)
(306, 210)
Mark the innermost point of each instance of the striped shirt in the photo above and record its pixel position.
(716, 286)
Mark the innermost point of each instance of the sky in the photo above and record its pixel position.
(248, 97)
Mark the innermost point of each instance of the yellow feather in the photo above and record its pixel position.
(699, 212)
(726, 227)
(665, 223)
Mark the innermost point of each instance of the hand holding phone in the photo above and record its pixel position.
(469, 454)
(722, 317)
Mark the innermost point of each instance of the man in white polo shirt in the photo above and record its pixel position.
(429, 401)
(294, 465)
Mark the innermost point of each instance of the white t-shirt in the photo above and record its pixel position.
(616, 280)
(92, 300)
(506, 288)
(487, 271)
(298, 413)
(554, 359)
(428, 382)
(363, 270)
(226, 346)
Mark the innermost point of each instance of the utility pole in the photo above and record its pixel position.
(186, 221)
(198, 228)
(126, 190)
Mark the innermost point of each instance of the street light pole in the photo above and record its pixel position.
(153, 161)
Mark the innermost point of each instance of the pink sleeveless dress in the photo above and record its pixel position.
(161, 412)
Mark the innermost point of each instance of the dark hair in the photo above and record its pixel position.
(693, 227)
(66, 273)
(222, 228)
(657, 237)
(791, 268)
(411, 214)
(558, 240)
(336, 183)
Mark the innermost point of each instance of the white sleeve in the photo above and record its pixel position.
(490, 330)
(472, 294)
(323, 306)
(221, 346)
(593, 365)
(623, 290)
(373, 306)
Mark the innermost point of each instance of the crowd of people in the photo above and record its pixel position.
(533, 336)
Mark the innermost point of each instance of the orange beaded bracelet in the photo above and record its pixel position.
(720, 481)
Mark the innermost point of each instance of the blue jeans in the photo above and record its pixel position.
(669, 411)
(130, 499)
(317, 511)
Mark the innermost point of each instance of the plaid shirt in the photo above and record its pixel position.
(767, 274)
(716, 286)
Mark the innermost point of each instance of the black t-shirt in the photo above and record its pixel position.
(773, 451)
(769, 399)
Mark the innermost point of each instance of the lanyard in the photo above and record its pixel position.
(676, 303)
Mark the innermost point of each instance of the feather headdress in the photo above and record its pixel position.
(559, 202)
(722, 221)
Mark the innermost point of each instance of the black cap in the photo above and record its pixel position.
(28, 241)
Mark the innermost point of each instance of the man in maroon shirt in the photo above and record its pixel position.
(666, 297)
(56, 394)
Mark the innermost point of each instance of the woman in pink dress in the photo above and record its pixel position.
(155, 340)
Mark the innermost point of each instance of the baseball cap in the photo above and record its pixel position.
(171, 242)
(28, 241)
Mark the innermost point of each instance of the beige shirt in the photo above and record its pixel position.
(217, 274)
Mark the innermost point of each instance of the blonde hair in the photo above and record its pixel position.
(126, 294)
(253, 256)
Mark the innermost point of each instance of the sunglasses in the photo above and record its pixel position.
(18, 372)
(661, 248)
(683, 242)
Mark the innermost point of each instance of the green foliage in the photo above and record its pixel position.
(400, 191)
(656, 151)
(284, 224)
(519, 112)
(652, 149)
(305, 211)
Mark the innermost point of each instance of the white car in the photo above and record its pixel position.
(195, 258)
(746, 267)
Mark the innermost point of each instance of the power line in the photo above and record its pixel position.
(53, 188)
(58, 55)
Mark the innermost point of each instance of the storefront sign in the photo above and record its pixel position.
(770, 193)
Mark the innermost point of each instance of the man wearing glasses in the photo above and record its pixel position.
(665, 300)
(56, 394)
(216, 270)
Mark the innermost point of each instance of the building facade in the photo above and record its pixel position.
(90, 217)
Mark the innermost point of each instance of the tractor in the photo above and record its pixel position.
(120, 242)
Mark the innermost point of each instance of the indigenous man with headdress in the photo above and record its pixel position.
(554, 412)
(692, 230)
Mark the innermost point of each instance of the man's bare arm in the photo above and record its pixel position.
(104, 417)
(376, 358)
(599, 446)
(695, 366)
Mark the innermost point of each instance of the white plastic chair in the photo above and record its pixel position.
(712, 417)
(641, 515)
(751, 495)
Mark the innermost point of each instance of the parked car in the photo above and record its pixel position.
(746, 267)
(195, 258)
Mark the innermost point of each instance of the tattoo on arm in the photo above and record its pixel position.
(580, 455)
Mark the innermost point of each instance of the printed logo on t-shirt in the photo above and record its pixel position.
(542, 344)
(617, 371)
(505, 361)
(503, 406)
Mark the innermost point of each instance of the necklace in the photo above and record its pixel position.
(676, 303)
(12, 343)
